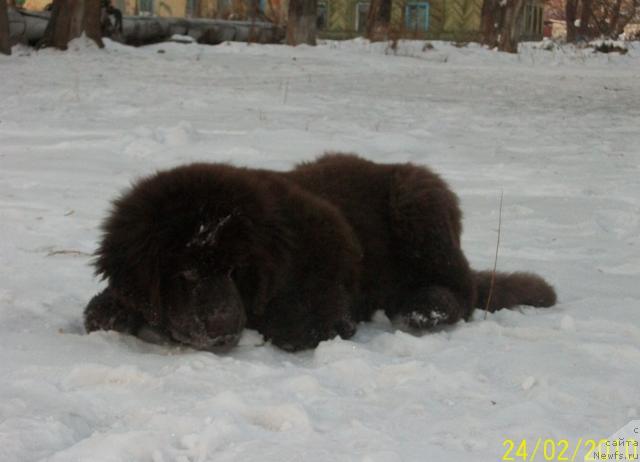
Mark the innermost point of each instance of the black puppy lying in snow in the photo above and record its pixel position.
(197, 253)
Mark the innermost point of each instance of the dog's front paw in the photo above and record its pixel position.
(425, 320)
(346, 328)
(430, 307)
(105, 312)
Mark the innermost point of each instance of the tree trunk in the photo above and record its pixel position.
(69, 19)
(301, 22)
(92, 21)
(585, 17)
(490, 21)
(378, 20)
(510, 33)
(571, 14)
(500, 26)
(615, 18)
(5, 43)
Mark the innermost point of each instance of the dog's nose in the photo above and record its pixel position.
(224, 320)
(212, 318)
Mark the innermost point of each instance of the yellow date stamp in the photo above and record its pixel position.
(583, 449)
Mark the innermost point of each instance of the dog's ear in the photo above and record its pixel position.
(139, 288)
(153, 310)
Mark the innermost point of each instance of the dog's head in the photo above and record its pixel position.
(204, 307)
(172, 249)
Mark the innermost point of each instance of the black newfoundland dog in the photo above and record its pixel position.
(197, 253)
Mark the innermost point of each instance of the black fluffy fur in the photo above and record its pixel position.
(196, 253)
(200, 251)
(409, 224)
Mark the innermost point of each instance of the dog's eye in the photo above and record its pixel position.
(189, 275)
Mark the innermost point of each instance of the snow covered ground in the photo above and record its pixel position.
(557, 131)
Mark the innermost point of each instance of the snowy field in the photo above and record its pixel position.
(557, 131)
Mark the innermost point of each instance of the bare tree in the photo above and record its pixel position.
(575, 9)
(69, 19)
(597, 17)
(509, 33)
(499, 24)
(571, 14)
(585, 17)
(301, 22)
(378, 20)
(490, 21)
(5, 43)
(611, 16)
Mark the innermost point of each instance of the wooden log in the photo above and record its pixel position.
(29, 27)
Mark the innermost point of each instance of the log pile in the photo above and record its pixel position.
(29, 26)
